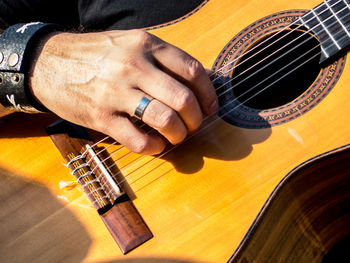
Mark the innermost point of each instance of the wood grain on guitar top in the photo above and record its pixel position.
(200, 200)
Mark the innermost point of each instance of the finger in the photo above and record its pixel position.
(125, 132)
(191, 72)
(174, 94)
(210, 73)
(158, 116)
(166, 121)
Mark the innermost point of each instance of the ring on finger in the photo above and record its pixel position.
(141, 107)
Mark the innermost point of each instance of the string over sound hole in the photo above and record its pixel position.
(276, 70)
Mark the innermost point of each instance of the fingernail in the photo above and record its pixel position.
(214, 107)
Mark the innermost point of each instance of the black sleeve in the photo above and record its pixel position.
(64, 12)
(95, 14)
(129, 14)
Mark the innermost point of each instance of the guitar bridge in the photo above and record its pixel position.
(100, 185)
(95, 178)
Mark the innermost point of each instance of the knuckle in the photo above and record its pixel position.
(180, 137)
(197, 124)
(166, 120)
(129, 65)
(194, 69)
(140, 145)
(184, 100)
(142, 38)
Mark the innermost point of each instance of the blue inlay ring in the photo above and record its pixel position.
(140, 109)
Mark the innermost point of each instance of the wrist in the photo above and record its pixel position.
(40, 72)
(64, 63)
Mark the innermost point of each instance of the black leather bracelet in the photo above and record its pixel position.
(17, 45)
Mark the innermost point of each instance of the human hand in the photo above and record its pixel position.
(98, 79)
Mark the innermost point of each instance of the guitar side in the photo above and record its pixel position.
(200, 200)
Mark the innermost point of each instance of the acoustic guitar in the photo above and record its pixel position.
(265, 180)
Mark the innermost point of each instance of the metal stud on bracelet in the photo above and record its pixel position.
(17, 44)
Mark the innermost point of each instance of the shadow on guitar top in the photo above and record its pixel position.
(221, 141)
(35, 227)
(21, 125)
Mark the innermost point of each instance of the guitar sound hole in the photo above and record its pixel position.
(276, 70)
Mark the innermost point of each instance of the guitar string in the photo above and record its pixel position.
(255, 72)
(236, 84)
(82, 155)
(170, 149)
(283, 29)
(255, 47)
(132, 164)
(321, 5)
(311, 37)
(223, 85)
(118, 150)
(210, 124)
(164, 162)
(127, 177)
(175, 147)
(243, 102)
(236, 76)
(274, 53)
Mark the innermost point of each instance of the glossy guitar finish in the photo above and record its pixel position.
(201, 199)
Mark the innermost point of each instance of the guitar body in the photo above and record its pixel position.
(200, 200)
